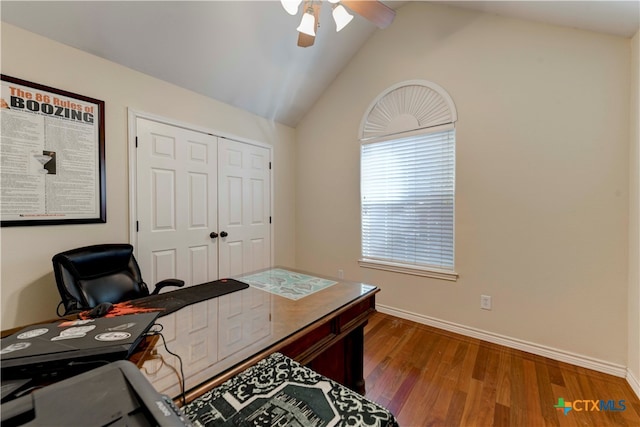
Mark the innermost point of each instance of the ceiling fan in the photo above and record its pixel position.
(375, 11)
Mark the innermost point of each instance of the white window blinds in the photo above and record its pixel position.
(408, 192)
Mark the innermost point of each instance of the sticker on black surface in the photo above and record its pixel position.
(32, 333)
(75, 332)
(113, 336)
(75, 323)
(121, 327)
(15, 347)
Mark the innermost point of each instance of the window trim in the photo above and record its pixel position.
(377, 125)
(415, 270)
(422, 131)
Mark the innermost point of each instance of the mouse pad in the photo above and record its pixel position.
(169, 302)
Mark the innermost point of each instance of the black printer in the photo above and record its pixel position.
(114, 395)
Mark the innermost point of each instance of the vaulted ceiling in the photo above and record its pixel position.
(244, 53)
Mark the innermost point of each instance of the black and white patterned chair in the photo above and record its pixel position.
(279, 391)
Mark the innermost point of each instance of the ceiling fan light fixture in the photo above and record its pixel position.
(291, 6)
(341, 17)
(308, 23)
(334, 1)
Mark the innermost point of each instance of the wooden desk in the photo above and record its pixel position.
(218, 338)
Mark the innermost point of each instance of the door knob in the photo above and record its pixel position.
(223, 234)
(213, 235)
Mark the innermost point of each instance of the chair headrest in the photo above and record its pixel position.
(96, 260)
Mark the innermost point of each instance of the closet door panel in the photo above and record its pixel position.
(176, 203)
(244, 207)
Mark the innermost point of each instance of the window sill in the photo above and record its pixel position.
(409, 269)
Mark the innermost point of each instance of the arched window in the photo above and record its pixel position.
(408, 181)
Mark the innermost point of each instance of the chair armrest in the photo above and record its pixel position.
(167, 282)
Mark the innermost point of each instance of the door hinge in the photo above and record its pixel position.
(136, 142)
(269, 165)
(137, 226)
(269, 220)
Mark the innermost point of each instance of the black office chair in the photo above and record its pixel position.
(95, 274)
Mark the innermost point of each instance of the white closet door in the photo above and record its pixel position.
(176, 203)
(243, 207)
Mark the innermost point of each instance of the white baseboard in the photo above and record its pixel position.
(540, 350)
(633, 382)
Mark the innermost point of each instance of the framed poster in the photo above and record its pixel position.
(52, 156)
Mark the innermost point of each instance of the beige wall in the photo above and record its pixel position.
(542, 175)
(28, 290)
(634, 216)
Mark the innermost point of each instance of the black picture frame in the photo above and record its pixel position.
(59, 111)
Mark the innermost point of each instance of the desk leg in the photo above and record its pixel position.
(354, 360)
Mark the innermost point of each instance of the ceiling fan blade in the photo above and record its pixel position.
(305, 40)
(375, 11)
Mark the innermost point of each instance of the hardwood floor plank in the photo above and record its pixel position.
(473, 404)
(430, 377)
(401, 395)
(546, 396)
(634, 405)
(382, 340)
(373, 379)
(611, 393)
(418, 404)
(390, 378)
(398, 372)
(565, 420)
(501, 415)
(555, 374)
(480, 363)
(455, 369)
(466, 372)
(503, 395)
(454, 414)
(429, 360)
(485, 410)
(518, 398)
(438, 412)
(532, 395)
(425, 394)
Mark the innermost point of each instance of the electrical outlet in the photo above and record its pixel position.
(340, 274)
(485, 302)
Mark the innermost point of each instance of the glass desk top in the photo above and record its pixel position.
(215, 335)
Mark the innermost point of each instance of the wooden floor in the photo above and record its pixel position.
(430, 377)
